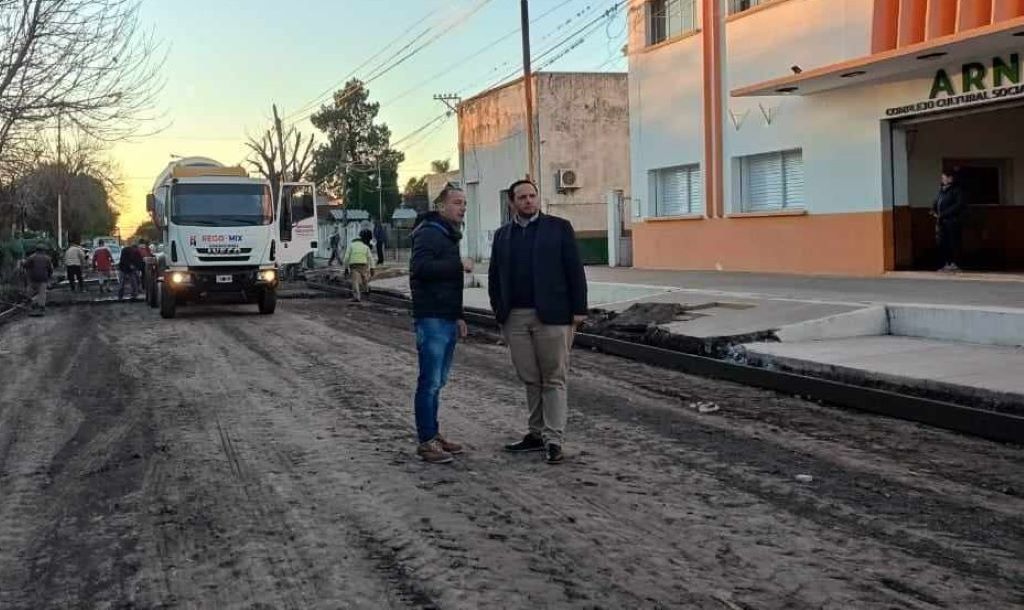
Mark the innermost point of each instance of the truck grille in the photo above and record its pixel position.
(226, 259)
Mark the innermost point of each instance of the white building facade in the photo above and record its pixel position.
(808, 136)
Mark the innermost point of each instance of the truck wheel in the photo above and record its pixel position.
(151, 296)
(167, 302)
(268, 301)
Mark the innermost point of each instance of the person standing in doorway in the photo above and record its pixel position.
(538, 292)
(74, 263)
(334, 242)
(129, 265)
(103, 263)
(949, 211)
(380, 235)
(359, 262)
(39, 270)
(436, 274)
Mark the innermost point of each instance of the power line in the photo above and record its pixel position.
(461, 62)
(385, 70)
(584, 32)
(319, 97)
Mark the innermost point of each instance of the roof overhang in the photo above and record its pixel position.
(892, 65)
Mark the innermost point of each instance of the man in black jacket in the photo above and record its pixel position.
(436, 277)
(538, 292)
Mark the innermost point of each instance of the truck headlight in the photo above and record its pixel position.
(268, 275)
(178, 277)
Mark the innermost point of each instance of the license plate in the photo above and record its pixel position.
(224, 279)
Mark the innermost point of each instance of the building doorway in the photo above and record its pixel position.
(985, 148)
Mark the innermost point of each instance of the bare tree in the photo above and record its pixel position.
(86, 61)
(281, 154)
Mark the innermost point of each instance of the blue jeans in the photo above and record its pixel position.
(435, 343)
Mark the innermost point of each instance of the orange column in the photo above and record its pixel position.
(941, 18)
(886, 25)
(1007, 9)
(974, 14)
(713, 33)
(912, 19)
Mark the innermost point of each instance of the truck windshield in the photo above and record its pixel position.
(221, 205)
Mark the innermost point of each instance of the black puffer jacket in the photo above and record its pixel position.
(435, 271)
(950, 206)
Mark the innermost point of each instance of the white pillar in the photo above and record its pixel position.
(614, 228)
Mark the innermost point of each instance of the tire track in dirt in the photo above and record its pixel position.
(277, 468)
(805, 505)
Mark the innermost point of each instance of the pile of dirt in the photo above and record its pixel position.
(640, 318)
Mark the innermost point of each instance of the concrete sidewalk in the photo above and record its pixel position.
(951, 336)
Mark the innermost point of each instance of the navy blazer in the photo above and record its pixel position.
(559, 282)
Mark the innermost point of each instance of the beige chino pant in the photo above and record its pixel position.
(540, 353)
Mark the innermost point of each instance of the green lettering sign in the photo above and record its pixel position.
(974, 76)
(942, 84)
(1006, 71)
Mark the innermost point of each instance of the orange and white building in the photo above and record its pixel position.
(808, 136)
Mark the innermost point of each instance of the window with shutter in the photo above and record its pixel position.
(772, 181)
(677, 191)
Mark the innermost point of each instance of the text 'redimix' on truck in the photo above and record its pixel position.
(225, 236)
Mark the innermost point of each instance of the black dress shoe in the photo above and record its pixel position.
(530, 442)
(554, 454)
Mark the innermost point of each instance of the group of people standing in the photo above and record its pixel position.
(39, 270)
(538, 293)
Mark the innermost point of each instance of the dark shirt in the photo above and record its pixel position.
(38, 267)
(524, 239)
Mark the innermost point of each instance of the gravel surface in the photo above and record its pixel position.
(229, 460)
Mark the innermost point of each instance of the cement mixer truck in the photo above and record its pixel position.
(225, 235)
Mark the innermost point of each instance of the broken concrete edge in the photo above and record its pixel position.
(1002, 402)
(1001, 426)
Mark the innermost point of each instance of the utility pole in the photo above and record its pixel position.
(380, 195)
(60, 190)
(524, 9)
(452, 101)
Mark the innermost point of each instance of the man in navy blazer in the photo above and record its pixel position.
(538, 292)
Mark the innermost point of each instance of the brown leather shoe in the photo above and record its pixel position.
(449, 446)
(432, 453)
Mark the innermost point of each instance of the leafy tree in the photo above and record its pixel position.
(415, 187)
(357, 148)
(147, 231)
(442, 166)
(86, 210)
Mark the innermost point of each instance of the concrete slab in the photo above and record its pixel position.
(990, 374)
(986, 290)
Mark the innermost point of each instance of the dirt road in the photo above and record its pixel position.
(229, 460)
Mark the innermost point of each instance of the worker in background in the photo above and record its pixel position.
(335, 243)
(74, 264)
(39, 270)
(380, 235)
(359, 262)
(103, 264)
(130, 266)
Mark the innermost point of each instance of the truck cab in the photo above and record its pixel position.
(223, 235)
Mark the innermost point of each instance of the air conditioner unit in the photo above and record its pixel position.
(568, 179)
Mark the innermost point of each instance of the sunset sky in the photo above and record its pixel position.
(227, 61)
